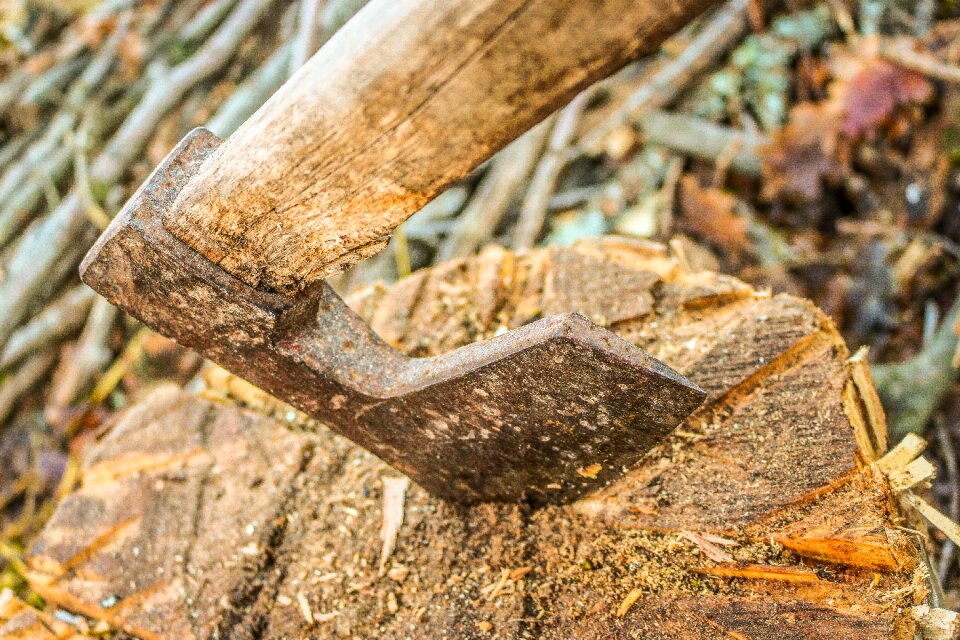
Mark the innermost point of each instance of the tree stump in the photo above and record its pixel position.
(760, 518)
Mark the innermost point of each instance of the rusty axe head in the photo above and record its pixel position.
(226, 245)
(548, 411)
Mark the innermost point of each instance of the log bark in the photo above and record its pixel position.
(405, 99)
(761, 517)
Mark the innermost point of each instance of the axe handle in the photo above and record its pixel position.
(409, 96)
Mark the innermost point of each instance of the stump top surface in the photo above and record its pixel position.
(759, 518)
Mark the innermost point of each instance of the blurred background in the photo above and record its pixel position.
(805, 147)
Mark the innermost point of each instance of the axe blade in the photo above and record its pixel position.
(546, 412)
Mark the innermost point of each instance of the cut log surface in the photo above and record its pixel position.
(760, 518)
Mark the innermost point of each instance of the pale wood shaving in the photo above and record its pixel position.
(918, 473)
(936, 624)
(934, 517)
(715, 539)
(394, 497)
(707, 547)
(867, 391)
(493, 590)
(305, 607)
(763, 572)
(628, 602)
(901, 455)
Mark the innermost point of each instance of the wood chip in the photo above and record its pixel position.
(725, 542)
(398, 573)
(762, 572)
(518, 574)
(493, 590)
(934, 517)
(867, 391)
(937, 624)
(918, 473)
(591, 471)
(628, 601)
(903, 454)
(707, 547)
(305, 607)
(485, 626)
(394, 496)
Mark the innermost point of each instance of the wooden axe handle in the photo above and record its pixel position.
(406, 98)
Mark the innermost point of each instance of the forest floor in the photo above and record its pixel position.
(809, 148)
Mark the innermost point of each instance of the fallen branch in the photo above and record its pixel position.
(19, 194)
(507, 173)
(57, 321)
(533, 212)
(911, 390)
(666, 82)
(698, 138)
(90, 355)
(13, 388)
(307, 39)
(43, 245)
(251, 93)
(948, 454)
(924, 63)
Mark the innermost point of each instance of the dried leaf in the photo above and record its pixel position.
(709, 213)
(865, 92)
(876, 91)
(92, 30)
(803, 153)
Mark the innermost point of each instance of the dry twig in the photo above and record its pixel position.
(664, 83)
(508, 172)
(533, 212)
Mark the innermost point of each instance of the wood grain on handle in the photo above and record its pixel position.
(408, 97)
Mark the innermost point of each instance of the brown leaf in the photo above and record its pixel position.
(865, 92)
(92, 30)
(802, 154)
(876, 91)
(709, 213)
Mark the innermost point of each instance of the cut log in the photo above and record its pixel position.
(761, 517)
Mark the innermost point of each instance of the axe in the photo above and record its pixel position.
(226, 245)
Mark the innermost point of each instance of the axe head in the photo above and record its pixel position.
(546, 412)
